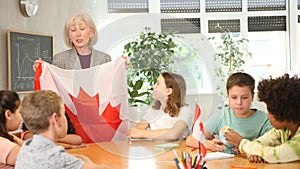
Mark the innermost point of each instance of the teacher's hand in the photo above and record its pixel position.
(127, 63)
(36, 64)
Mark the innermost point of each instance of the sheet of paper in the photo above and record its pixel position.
(217, 155)
(166, 146)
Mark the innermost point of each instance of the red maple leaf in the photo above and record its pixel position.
(91, 126)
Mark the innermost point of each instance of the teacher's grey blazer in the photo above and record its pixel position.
(69, 59)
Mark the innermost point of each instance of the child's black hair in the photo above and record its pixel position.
(9, 100)
(282, 97)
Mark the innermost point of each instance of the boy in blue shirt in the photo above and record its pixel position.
(249, 123)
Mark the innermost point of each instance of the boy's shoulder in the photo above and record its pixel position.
(39, 146)
(41, 151)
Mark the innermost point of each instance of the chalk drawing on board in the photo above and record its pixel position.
(23, 50)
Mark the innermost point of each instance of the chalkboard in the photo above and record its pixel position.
(23, 49)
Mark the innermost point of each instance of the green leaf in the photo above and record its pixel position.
(150, 54)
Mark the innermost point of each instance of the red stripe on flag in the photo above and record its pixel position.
(197, 113)
(201, 126)
(38, 73)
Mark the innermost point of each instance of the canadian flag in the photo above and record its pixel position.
(95, 98)
(198, 130)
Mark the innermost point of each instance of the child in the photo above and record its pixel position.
(70, 141)
(10, 120)
(249, 123)
(44, 114)
(170, 117)
(282, 143)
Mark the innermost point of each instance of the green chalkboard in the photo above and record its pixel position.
(23, 49)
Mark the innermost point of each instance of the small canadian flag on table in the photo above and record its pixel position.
(198, 130)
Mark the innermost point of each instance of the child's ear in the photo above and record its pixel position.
(8, 114)
(169, 91)
(54, 119)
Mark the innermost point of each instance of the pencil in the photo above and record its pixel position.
(244, 167)
(177, 163)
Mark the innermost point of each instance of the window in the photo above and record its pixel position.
(127, 6)
(223, 5)
(270, 27)
(180, 6)
(181, 25)
(268, 50)
(266, 5)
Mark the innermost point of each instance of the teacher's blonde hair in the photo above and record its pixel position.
(75, 19)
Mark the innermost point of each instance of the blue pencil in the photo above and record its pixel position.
(177, 163)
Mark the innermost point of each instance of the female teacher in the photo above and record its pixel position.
(80, 35)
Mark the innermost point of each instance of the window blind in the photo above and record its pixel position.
(223, 5)
(267, 23)
(127, 6)
(266, 5)
(181, 25)
(218, 26)
(180, 6)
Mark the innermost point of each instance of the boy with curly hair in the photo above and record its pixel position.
(282, 143)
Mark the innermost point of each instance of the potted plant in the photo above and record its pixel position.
(230, 56)
(149, 54)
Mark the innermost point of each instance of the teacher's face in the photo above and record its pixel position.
(80, 34)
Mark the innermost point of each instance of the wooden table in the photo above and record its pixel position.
(142, 154)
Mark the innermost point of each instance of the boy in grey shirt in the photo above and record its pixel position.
(43, 114)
